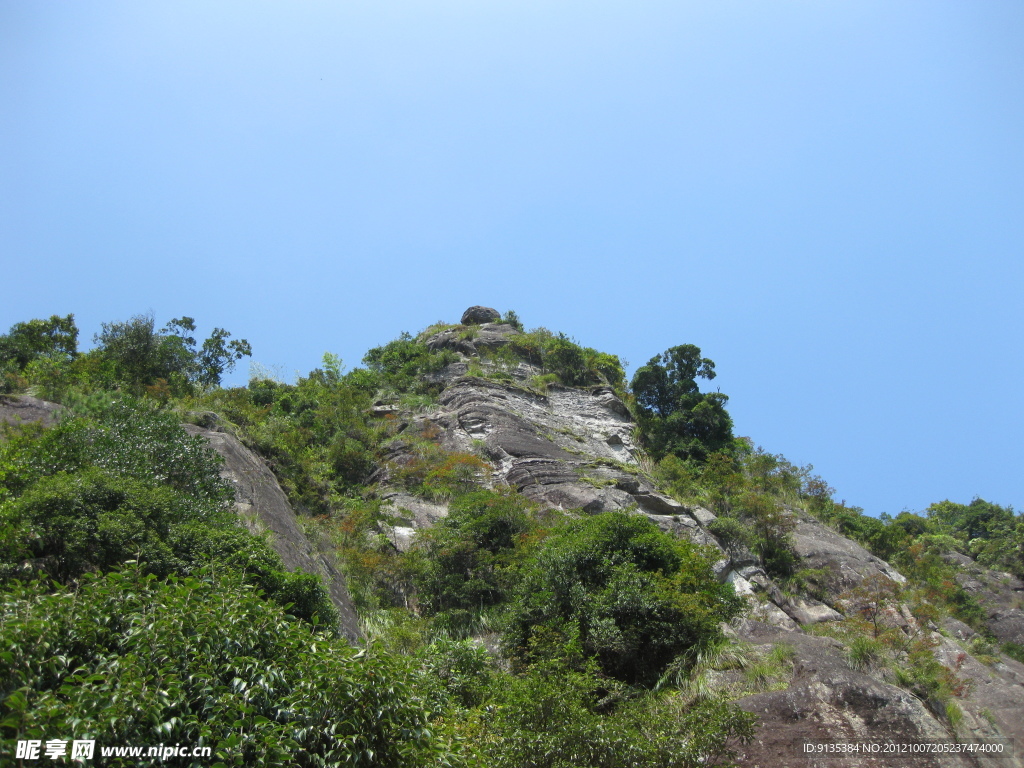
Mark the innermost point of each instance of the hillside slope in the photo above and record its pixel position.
(560, 568)
(574, 448)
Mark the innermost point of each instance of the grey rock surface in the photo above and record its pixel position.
(828, 701)
(847, 562)
(263, 506)
(410, 514)
(22, 409)
(806, 611)
(477, 315)
(1000, 594)
(469, 340)
(991, 697)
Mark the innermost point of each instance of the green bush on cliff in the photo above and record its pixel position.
(402, 364)
(623, 592)
(574, 365)
(674, 415)
(470, 556)
(563, 716)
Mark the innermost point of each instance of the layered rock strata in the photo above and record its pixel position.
(575, 449)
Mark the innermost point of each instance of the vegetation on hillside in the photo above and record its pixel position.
(506, 635)
(132, 356)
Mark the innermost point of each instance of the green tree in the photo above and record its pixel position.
(37, 352)
(143, 356)
(27, 341)
(675, 416)
(470, 554)
(623, 592)
(203, 660)
(218, 356)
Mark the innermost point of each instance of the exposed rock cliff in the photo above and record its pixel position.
(263, 507)
(16, 409)
(573, 448)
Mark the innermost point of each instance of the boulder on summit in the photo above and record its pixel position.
(480, 315)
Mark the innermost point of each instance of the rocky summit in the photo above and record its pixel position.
(575, 448)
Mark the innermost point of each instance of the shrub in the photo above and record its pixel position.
(439, 474)
(772, 527)
(132, 659)
(560, 717)
(130, 484)
(630, 595)
(729, 531)
(470, 555)
(574, 365)
(459, 671)
(403, 363)
(511, 318)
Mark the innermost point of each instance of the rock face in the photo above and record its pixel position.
(478, 315)
(25, 409)
(828, 701)
(1000, 594)
(263, 506)
(574, 448)
(847, 562)
(470, 342)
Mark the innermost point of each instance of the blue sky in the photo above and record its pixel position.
(827, 198)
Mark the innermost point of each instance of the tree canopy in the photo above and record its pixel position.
(142, 355)
(676, 417)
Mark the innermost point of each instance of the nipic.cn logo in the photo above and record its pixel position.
(81, 749)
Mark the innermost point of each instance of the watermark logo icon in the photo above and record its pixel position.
(81, 749)
(28, 750)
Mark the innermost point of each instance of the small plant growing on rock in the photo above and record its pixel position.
(864, 652)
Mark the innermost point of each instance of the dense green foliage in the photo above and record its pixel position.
(471, 555)
(140, 355)
(129, 484)
(403, 365)
(317, 435)
(558, 716)
(130, 659)
(27, 341)
(754, 494)
(628, 595)
(132, 356)
(572, 364)
(676, 417)
(991, 534)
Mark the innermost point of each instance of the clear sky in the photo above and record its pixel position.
(826, 197)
